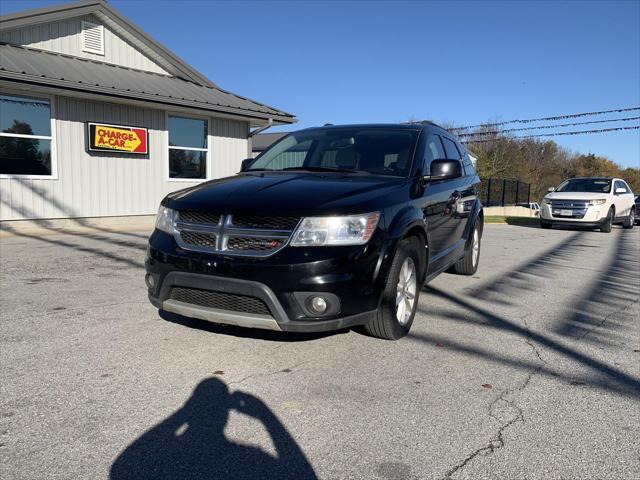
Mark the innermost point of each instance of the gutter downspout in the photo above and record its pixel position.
(255, 132)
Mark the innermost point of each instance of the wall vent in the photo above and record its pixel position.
(92, 38)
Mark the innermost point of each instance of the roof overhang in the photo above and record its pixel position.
(51, 88)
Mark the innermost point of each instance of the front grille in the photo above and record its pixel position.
(220, 300)
(198, 217)
(198, 239)
(246, 235)
(578, 208)
(569, 204)
(266, 222)
(254, 244)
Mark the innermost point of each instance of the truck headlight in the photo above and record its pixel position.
(164, 219)
(546, 201)
(599, 201)
(343, 230)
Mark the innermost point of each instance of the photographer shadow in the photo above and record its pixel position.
(191, 443)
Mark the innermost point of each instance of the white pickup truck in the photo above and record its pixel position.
(596, 202)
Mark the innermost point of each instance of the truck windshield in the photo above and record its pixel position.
(374, 151)
(595, 185)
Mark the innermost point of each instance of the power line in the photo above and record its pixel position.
(580, 132)
(497, 132)
(557, 117)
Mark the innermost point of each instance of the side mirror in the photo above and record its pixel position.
(443, 170)
(620, 190)
(551, 189)
(246, 163)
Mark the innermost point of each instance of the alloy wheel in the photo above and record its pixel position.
(475, 255)
(406, 291)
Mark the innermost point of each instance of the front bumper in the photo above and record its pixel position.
(590, 216)
(348, 273)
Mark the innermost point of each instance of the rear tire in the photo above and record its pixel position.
(631, 219)
(608, 223)
(468, 265)
(545, 225)
(397, 309)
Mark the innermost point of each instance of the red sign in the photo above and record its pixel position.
(117, 138)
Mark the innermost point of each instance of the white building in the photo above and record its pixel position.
(97, 119)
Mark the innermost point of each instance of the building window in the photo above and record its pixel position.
(25, 136)
(188, 147)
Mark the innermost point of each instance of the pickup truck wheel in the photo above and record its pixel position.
(608, 223)
(631, 219)
(400, 298)
(468, 264)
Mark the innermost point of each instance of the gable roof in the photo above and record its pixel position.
(114, 20)
(49, 69)
(188, 87)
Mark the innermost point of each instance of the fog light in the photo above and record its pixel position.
(318, 305)
(149, 280)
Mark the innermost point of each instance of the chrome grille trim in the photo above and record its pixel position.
(191, 235)
(578, 208)
(569, 204)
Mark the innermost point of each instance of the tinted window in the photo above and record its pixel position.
(433, 151)
(187, 132)
(25, 143)
(187, 147)
(595, 185)
(468, 165)
(620, 184)
(377, 151)
(450, 149)
(26, 116)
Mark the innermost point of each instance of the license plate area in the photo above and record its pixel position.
(564, 213)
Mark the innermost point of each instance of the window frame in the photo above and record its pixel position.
(52, 138)
(208, 174)
(444, 145)
(426, 149)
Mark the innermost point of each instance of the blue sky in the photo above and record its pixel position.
(457, 62)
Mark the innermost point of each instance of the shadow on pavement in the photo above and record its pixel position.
(191, 444)
(615, 289)
(519, 284)
(269, 335)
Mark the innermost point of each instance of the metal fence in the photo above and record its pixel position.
(500, 192)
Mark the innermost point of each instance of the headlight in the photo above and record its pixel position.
(164, 219)
(599, 201)
(546, 201)
(347, 230)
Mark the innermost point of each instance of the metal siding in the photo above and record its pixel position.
(95, 185)
(65, 37)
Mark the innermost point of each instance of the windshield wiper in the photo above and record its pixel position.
(324, 169)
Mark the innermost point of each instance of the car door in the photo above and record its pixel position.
(622, 201)
(439, 203)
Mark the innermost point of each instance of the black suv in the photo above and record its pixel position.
(330, 227)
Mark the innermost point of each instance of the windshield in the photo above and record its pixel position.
(375, 151)
(594, 185)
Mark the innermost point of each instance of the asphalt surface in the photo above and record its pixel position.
(529, 369)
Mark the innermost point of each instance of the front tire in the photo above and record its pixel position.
(468, 264)
(631, 219)
(400, 298)
(608, 223)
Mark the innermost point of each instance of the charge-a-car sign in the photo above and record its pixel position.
(117, 138)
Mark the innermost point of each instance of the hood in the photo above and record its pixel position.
(292, 193)
(575, 195)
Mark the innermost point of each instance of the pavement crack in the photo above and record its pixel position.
(605, 319)
(503, 404)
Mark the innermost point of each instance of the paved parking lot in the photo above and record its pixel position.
(529, 369)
